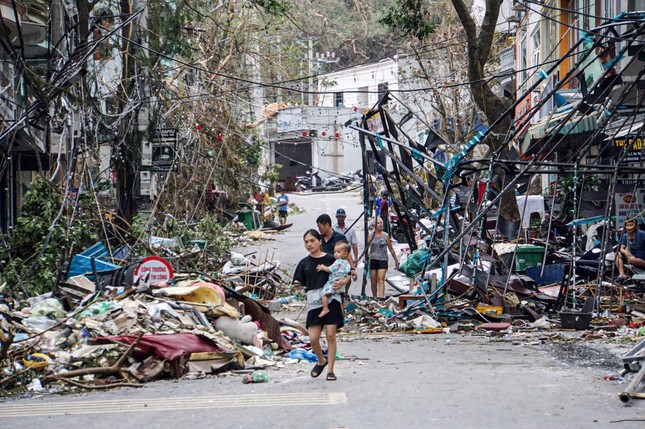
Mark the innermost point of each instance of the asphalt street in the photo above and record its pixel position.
(384, 380)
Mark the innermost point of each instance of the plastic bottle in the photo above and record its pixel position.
(258, 376)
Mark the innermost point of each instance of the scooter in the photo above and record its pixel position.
(396, 228)
(310, 181)
(351, 178)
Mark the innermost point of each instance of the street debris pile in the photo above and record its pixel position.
(97, 336)
(117, 318)
(523, 221)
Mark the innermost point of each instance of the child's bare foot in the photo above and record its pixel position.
(323, 312)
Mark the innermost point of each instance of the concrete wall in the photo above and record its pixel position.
(358, 85)
(334, 147)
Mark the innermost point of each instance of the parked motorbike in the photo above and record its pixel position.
(351, 178)
(311, 181)
(334, 183)
(396, 229)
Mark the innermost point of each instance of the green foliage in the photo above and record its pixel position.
(137, 227)
(566, 186)
(211, 231)
(251, 154)
(167, 21)
(28, 238)
(328, 83)
(412, 17)
(271, 175)
(190, 257)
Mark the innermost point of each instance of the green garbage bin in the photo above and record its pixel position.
(527, 256)
(245, 216)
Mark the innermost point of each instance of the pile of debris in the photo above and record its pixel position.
(476, 299)
(106, 336)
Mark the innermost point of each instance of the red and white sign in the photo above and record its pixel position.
(159, 269)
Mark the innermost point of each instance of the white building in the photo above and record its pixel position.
(362, 87)
(317, 138)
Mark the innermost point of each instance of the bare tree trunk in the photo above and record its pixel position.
(493, 106)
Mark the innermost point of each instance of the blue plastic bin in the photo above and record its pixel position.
(82, 262)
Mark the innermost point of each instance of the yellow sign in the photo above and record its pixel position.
(630, 143)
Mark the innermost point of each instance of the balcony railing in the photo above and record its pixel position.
(32, 21)
(507, 59)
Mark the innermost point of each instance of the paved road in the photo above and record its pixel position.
(385, 381)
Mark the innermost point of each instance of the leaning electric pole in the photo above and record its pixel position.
(133, 88)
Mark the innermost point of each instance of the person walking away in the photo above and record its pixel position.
(340, 269)
(312, 280)
(283, 207)
(352, 239)
(371, 197)
(631, 250)
(378, 259)
(382, 210)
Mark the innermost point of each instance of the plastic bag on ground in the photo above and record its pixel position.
(301, 354)
(48, 307)
(425, 321)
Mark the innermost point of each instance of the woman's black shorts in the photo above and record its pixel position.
(376, 264)
(334, 317)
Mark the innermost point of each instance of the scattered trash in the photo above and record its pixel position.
(258, 376)
(301, 354)
(132, 334)
(130, 331)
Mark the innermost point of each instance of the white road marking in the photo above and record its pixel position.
(167, 404)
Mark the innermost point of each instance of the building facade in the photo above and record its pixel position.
(579, 90)
(24, 141)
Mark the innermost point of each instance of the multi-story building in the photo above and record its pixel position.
(591, 53)
(23, 141)
(364, 87)
(418, 96)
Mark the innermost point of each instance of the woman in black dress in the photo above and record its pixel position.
(313, 280)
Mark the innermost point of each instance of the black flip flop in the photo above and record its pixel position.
(318, 369)
(331, 376)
